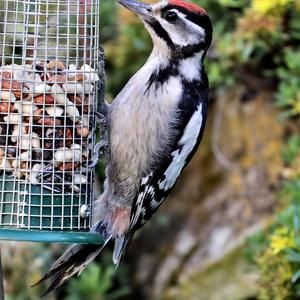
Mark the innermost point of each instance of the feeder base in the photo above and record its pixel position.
(51, 236)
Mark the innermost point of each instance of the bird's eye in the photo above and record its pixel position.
(171, 16)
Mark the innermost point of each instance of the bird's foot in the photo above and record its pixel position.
(101, 149)
(100, 118)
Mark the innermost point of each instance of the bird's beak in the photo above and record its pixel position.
(143, 10)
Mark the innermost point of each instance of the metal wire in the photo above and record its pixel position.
(49, 66)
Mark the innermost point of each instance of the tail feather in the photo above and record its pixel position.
(71, 263)
(77, 257)
(121, 245)
(118, 250)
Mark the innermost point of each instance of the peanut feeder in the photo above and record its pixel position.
(50, 82)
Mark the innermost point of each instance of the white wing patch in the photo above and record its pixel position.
(140, 200)
(145, 179)
(138, 212)
(188, 142)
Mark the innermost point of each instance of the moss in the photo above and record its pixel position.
(230, 279)
(275, 276)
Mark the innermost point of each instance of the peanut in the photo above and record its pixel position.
(6, 75)
(68, 166)
(41, 99)
(6, 107)
(56, 64)
(12, 85)
(49, 122)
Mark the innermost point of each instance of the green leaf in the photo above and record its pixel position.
(293, 256)
(291, 150)
(296, 276)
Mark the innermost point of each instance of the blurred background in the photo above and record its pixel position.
(230, 229)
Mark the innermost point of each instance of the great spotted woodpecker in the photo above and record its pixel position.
(155, 126)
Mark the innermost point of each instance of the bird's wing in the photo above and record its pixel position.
(156, 186)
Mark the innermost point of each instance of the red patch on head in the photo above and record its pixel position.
(190, 6)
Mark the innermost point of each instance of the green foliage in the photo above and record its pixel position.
(291, 190)
(276, 251)
(233, 3)
(291, 150)
(100, 281)
(25, 271)
(108, 28)
(95, 283)
(275, 276)
(288, 96)
(122, 61)
(256, 244)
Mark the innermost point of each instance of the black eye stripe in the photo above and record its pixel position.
(161, 33)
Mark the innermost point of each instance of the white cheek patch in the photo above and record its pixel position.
(187, 143)
(196, 29)
(178, 37)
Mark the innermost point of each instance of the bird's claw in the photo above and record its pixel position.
(102, 148)
(101, 119)
(99, 151)
(48, 169)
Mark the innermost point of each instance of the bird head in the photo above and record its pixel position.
(178, 27)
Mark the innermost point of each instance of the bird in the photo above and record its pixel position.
(155, 125)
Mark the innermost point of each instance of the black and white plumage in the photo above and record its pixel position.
(155, 126)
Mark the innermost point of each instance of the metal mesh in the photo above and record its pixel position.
(49, 77)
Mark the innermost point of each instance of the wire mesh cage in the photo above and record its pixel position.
(50, 78)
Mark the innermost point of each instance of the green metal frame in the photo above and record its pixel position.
(37, 208)
(51, 236)
(36, 230)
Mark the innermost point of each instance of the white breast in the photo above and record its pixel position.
(140, 123)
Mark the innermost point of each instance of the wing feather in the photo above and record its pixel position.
(157, 185)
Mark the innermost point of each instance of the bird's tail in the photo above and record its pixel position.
(71, 263)
(120, 247)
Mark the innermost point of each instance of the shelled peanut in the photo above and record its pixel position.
(46, 122)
